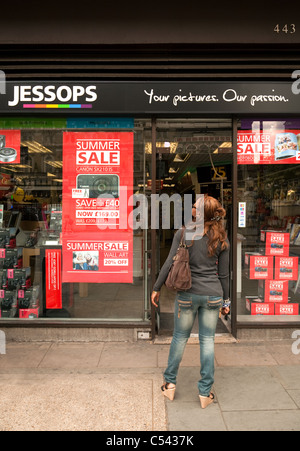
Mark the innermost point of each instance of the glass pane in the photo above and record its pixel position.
(268, 220)
(33, 226)
(194, 156)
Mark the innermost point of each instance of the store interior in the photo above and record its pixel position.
(193, 157)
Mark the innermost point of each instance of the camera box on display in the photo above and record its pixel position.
(29, 313)
(19, 278)
(11, 258)
(286, 268)
(262, 308)
(252, 300)
(29, 297)
(287, 309)
(28, 303)
(274, 290)
(3, 279)
(259, 267)
(277, 244)
(7, 238)
(9, 303)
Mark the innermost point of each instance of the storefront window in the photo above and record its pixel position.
(59, 246)
(268, 220)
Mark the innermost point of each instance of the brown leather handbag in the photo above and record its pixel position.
(179, 277)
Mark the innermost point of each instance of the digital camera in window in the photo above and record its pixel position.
(96, 186)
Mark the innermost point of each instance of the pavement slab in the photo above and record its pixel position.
(81, 402)
(115, 386)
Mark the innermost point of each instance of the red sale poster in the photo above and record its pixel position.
(53, 279)
(10, 145)
(97, 185)
(269, 147)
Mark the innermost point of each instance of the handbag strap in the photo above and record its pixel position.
(182, 239)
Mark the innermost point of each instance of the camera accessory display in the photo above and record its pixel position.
(18, 278)
(286, 268)
(8, 302)
(258, 266)
(28, 303)
(11, 258)
(4, 238)
(28, 298)
(3, 279)
(273, 290)
(103, 186)
(7, 238)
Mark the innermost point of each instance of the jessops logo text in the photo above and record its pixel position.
(51, 93)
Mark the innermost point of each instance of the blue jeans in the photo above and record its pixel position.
(187, 305)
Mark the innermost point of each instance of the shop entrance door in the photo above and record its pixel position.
(193, 156)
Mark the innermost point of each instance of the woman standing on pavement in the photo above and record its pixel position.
(209, 263)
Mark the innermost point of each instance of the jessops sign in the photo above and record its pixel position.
(135, 98)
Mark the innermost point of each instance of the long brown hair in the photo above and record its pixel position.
(214, 214)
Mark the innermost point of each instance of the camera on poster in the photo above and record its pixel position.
(98, 186)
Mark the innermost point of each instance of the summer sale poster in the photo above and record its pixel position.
(269, 147)
(97, 185)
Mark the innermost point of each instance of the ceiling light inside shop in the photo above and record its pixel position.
(9, 169)
(55, 164)
(161, 145)
(181, 158)
(16, 167)
(225, 147)
(173, 170)
(35, 147)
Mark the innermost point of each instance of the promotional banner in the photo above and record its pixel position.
(97, 186)
(10, 144)
(106, 257)
(269, 147)
(53, 279)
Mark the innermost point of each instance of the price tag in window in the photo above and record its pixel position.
(242, 214)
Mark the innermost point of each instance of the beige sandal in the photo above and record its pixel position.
(205, 401)
(168, 392)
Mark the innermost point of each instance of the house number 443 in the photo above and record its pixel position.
(287, 29)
